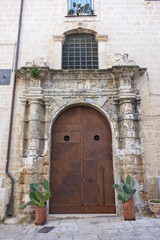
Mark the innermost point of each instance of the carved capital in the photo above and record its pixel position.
(23, 100)
(35, 100)
(127, 98)
(134, 72)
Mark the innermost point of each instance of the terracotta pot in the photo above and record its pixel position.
(128, 209)
(41, 215)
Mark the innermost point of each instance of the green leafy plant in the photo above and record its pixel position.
(86, 8)
(34, 73)
(125, 189)
(71, 11)
(92, 12)
(74, 4)
(37, 196)
(80, 9)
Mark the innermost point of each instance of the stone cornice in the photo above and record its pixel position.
(101, 81)
(116, 71)
(101, 38)
(59, 38)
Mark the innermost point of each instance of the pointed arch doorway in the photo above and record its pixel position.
(81, 174)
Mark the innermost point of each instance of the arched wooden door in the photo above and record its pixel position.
(81, 174)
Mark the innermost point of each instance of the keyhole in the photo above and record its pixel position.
(66, 138)
(96, 138)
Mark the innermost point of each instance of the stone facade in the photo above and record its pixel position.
(128, 96)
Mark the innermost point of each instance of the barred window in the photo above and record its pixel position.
(80, 51)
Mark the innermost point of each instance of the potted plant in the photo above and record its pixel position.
(92, 12)
(86, 8)
(79, 9)
(126, 196)
(154, 206)
(38, 198)
(74, 5)
(70, 12)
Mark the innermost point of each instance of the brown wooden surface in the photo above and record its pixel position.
(81, 168)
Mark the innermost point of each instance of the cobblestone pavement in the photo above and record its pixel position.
(90, 228)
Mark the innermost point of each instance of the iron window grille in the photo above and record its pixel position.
(80, 51)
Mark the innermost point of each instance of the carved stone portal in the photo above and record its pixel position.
(112, 91)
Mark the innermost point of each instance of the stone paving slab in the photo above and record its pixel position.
(98, 228)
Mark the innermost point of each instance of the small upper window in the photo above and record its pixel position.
(80, 7)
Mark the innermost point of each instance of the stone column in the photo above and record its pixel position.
(102, 50)
(36, 118)
(35, 127)
(128, 121)
(57, 53)
(24, 120)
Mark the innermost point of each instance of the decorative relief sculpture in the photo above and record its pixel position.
(122, 59)
(35, 83)
(39, 62)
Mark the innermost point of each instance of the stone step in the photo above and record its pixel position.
(78, 216)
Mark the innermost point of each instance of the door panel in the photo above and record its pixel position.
(90, 183)
(81, 165)
(65, 174)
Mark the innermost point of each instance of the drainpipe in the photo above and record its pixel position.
(11, 113)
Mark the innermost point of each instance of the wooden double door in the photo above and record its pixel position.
(81, 174)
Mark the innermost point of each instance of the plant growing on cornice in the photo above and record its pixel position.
(38, 197)
(34, 73)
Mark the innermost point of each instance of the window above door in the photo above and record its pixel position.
(80, 7)
(80, 51)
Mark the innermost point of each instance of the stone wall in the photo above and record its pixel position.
(9, 13)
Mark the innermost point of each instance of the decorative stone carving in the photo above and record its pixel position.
(35, 83)
(39, 62)
(122, 60)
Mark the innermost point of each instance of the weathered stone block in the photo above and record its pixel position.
(4, 200)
